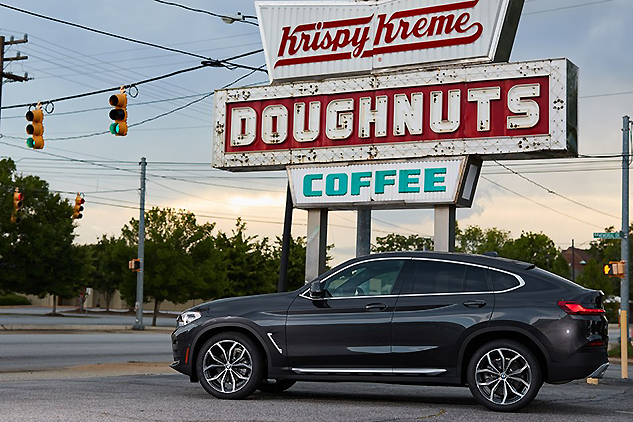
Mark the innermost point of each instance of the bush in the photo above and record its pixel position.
(12, 299)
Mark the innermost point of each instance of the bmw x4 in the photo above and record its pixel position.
(498, 326)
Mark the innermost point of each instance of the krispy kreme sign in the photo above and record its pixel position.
(511, 110)
(312, 38)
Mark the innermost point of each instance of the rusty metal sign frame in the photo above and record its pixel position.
(562, 140)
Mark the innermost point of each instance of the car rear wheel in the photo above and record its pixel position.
(504, 376)
(230, 366)
(276, 386)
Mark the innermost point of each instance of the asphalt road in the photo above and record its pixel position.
(43, 351)
(166, 398)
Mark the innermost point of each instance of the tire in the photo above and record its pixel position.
(276, 386)
(504, 376)
(230, 366)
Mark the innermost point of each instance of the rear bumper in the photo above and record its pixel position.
(599, 373)
(588, 362)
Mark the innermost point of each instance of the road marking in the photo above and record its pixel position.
(620, 411)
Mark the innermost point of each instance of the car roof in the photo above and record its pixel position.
(487, 260)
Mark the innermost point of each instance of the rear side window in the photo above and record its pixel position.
(444, 277)
(503, 281)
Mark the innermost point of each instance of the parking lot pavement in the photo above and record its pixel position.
(170, 397)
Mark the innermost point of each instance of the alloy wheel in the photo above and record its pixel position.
(503, 376)
(227, 366)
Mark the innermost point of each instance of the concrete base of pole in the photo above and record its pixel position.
(363, 232)
(445, 228)
(316, 243)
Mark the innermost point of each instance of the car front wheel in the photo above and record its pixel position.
(504, 376)
(230, 366)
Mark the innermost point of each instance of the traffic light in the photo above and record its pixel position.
(79, 201)
(135, 265)
(118, 114)
(18, 199)
(614, 269)
(35, 128)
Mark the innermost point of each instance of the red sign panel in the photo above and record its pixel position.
(484, 109)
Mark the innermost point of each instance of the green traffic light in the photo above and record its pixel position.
(114, 128)
(30, 143)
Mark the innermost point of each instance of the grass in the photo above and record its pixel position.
(615, 352)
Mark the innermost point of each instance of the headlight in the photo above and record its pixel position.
(187, 318)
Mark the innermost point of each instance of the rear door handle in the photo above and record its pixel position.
(375, 307)
(475, 303)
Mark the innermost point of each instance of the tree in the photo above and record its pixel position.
(592, 277)
(210, 269)
(38, 256)
(110, 257)
(397, 242)
(538, 249)
(169, 272)
(296, 261)
(250, 267)
(476, 240)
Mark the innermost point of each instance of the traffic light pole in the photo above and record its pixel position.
(4, 75)
(138, 325)
(624, 284)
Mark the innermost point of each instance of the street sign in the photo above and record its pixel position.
(607, 235)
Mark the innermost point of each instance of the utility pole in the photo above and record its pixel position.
(10, 76)
(573, 261)
(624, 284)
(138, 325)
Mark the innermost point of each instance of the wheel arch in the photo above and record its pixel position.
(218, 328)
(476, 340)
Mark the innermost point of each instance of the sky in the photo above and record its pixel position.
(576, 197)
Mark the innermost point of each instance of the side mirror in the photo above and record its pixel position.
(316, 291)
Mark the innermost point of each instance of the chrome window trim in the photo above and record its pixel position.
(305, 293)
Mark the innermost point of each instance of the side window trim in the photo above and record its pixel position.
(492, 291)
(305, 293)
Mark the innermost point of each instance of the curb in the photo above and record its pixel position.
(76, 327)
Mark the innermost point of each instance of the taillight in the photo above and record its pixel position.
(575, 308)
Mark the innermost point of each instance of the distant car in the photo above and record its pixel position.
(501, 327)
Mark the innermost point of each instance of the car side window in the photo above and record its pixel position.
(445, 277)
(371, 278)
(503, 281)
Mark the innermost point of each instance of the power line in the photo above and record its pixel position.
(567, 7)
(227, 19)
(109, 34)
(538, 203)
(554, 192)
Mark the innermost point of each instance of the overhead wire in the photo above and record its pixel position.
(109, 34)
(223, 17)
(553, 192)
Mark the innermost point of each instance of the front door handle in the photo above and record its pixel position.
(475, 303)
(375, 307)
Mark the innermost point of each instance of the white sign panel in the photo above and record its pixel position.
(395, 184)
(324, 38)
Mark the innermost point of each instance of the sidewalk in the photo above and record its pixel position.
(38, 319)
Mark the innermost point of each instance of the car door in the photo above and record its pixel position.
(348, 331)
(437, 309)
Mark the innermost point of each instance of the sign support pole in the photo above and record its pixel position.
(444, 239)
(624, 284)
(316, 243)
(363, 232)
(282, 286)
